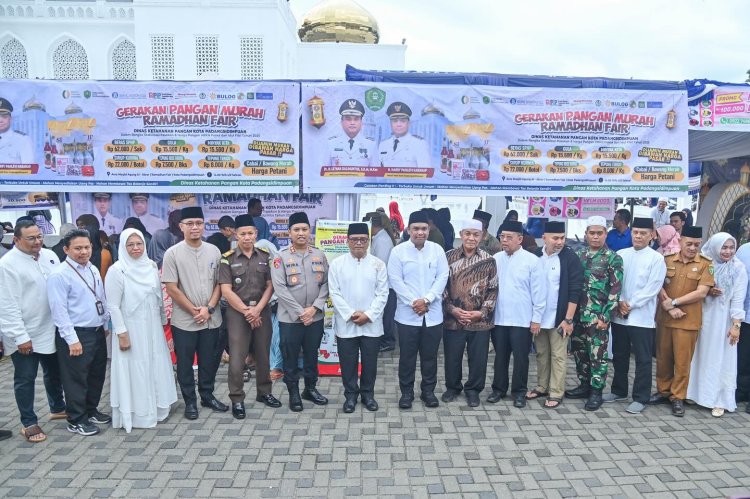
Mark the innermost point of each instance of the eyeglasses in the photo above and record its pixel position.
(134, 245)
(192, 224)
(359, 240)
(31, 239)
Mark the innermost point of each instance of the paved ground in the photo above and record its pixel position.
(490, 451)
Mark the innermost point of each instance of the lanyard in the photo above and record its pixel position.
(93, 290)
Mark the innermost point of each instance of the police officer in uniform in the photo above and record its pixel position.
(300, 280)
(15, 147)
(245, 279)
(690, 276)
(351, 148)
(403, 148)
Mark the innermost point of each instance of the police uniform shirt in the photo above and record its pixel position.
(410, 151)
(110, 224)
(247, 275)
(343, 151)
(683, 278)
(16, 148)
(300, 280)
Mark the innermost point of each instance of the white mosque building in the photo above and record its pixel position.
(188, 40)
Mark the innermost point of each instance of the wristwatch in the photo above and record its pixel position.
(211, 310)
(674, 302)
(568, 321)
(426, 301)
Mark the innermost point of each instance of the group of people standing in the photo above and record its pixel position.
(485, 290)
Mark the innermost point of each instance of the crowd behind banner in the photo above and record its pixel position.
(651, 286)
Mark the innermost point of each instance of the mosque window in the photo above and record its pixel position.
(123, 61)
(70, 62)
(206, 54)
(162, 57)
(251, 55)
(13, 60)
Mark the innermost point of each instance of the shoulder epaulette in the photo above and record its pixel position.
(264, 250)
(229, 253)
(670, 254)
(332, 137)
(19, 133)
(417, 137)
(707, 257)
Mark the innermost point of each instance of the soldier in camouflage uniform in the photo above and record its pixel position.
(602, 283)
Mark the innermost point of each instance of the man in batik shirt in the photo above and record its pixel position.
(602, 283)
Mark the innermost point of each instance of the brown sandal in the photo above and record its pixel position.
(535, 394)
(33, 434)
(556, 401)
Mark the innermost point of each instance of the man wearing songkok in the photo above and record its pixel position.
(602, 283)
(190, 272)
(468, 306)
(518, 314)
(418, 272)
(563, 273)
(245, 280)
(689, 278)
(489, 243)
(300, 280)
(28, 331)
(633, 325)
(358, 285)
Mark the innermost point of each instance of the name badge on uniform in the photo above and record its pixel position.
(99, 307)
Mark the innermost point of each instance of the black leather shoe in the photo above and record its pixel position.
(520, 401)
(430, 400)
(215, 405)
(678, 409)
(314, 396)
(295, 402)
(369, 403)
(595, 400)
(191, 410)
(580, 392)
(747, 408)
(405, 401)
(269, 400)
(387, 348)
(472, 399)
(495, 397)
(448, 396)
(238, 410)
(350, 404)
(658, 398)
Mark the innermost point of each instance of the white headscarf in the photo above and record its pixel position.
(141, 274)
(723, 271)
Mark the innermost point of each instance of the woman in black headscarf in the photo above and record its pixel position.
(443, 223)
(688, 217)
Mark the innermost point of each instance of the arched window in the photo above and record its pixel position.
(251, 58)
(89, 12)
(162, 57)
(69, 61)
(19, 11)
(122, 13)
(29, 12)
(13, 60)
(112, 13)
(123, 61)
(60, 12)
(79, 12)
(2, 10)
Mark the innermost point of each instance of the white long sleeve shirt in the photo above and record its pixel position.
(643, 274)
(659, 217)
(382, 245)
(358, 285)
(522, 293)
(414, 274)
(24, 309)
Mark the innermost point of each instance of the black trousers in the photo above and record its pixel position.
(186, 345)
(425, 341)
(639, 340)
(515, 340)
(295, 337)
(349, 352)
(389, 323)
(743, 364)
(477, 344)
(83, 375)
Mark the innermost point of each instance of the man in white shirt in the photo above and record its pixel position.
(381, 247)
(139, 203)
(27, 327)
(518, 314)
(659, 213)
(358, 287)
(79, 310)
(402, 148)
(109, 223)
(15, 147)
(351, 148)
(633, 324)
(418, 272)
(742, 393)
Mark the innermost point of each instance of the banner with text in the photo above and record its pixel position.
(726, 108)
(363, 137)
(150, 136)
(571, 207)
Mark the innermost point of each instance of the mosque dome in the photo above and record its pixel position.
(339, 21)
(432, 109)
(33, 104)
(73, 108)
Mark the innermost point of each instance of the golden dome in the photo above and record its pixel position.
(33, 104)
(432, 109)
(339, 21)
(73, 108)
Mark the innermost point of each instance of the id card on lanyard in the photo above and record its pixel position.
(99, 304)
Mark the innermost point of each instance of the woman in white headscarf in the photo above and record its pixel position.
(713, 371)
(142, 382)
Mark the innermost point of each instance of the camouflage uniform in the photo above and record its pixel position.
(490, 244)
(602, 284)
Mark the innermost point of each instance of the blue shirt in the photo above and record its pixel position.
(616, 241)
(264, 231)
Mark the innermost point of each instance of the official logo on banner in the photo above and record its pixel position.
(375, 99)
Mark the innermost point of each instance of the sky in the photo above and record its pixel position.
(642, 39)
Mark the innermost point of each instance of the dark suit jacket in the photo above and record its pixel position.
(571, 280)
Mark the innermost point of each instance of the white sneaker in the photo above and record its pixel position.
(611, 397)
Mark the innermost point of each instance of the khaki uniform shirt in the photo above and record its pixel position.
(683, 278)
(248, 276)
(300, 280)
